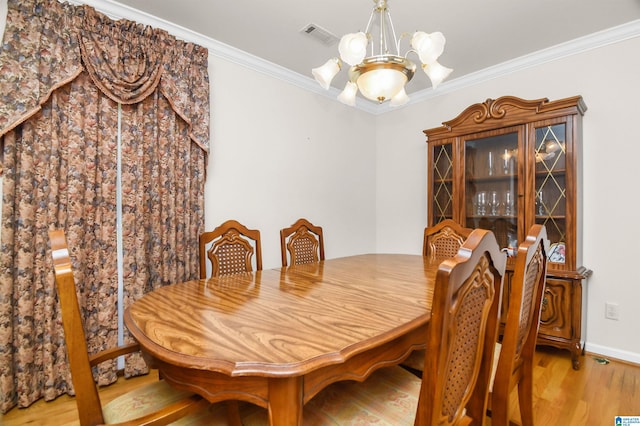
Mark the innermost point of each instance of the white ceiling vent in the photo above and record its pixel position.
(317, 32)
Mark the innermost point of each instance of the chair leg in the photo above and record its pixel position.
(499, 411)
(525, 395)
(476, 409)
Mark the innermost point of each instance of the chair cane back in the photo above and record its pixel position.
(303, 241)
(232, 246)
(443, 240)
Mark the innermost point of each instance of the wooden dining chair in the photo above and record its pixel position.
(228, 250)
(303, 241)
(461, 336)
(232, 246)
(462, 333)
(156, 403)
(513, 365)
(441, 241)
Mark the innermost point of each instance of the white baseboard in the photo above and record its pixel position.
(613, 353)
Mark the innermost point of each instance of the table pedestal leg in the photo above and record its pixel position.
(285, 401)
(233, 413)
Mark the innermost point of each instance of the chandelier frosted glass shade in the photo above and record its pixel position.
(382, 75)
(326, 72)
(353, 48)
(428, 46)
(400, 98)
(380, 78)
(436, 72)
(348, 95)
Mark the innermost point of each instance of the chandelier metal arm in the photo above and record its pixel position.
(368, 27)
(396, 40)
(406, 55)
(384, 48)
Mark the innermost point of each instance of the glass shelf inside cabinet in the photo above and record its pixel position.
(551, 189)
(442, 183)
(491, 186)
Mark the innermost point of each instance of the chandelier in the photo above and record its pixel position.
(383, 74)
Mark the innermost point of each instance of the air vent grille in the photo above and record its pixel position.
(318, 33)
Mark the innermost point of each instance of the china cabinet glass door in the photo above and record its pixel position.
(551, 186)
(442, 205)
(491, 184)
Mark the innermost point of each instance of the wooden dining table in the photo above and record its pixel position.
(277, 337)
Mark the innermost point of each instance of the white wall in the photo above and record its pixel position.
(610, 154)
(279, 153)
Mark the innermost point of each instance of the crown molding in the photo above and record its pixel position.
(573, 47)
(221, 50)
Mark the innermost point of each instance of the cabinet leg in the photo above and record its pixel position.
(576, 352)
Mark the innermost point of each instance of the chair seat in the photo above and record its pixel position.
(153, 397)
(388, 397)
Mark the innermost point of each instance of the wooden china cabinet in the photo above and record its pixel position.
(509, 163)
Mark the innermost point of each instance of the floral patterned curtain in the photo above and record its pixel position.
(162, 201)
(64, 70)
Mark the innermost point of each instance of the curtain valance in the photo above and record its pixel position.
(53, 42)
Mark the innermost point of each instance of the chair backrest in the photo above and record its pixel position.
(231, 251)
(156, 404)
(305, 243)
(523, 315)
(443, 240)
(462, 333)
(87, 398)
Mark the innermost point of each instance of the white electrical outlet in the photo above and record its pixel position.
(612, 311)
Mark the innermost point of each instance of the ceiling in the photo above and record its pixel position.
(479, 34)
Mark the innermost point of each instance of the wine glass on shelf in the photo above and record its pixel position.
(491, 167)
(540, 208)
(493, 203)
(480, 203)
(508, 203)
(506, 162)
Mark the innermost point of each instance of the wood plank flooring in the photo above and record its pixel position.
(592, 396)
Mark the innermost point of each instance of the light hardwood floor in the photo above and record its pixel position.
(592, 396)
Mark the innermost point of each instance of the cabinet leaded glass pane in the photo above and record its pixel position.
(442, 183)
(551, 194)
